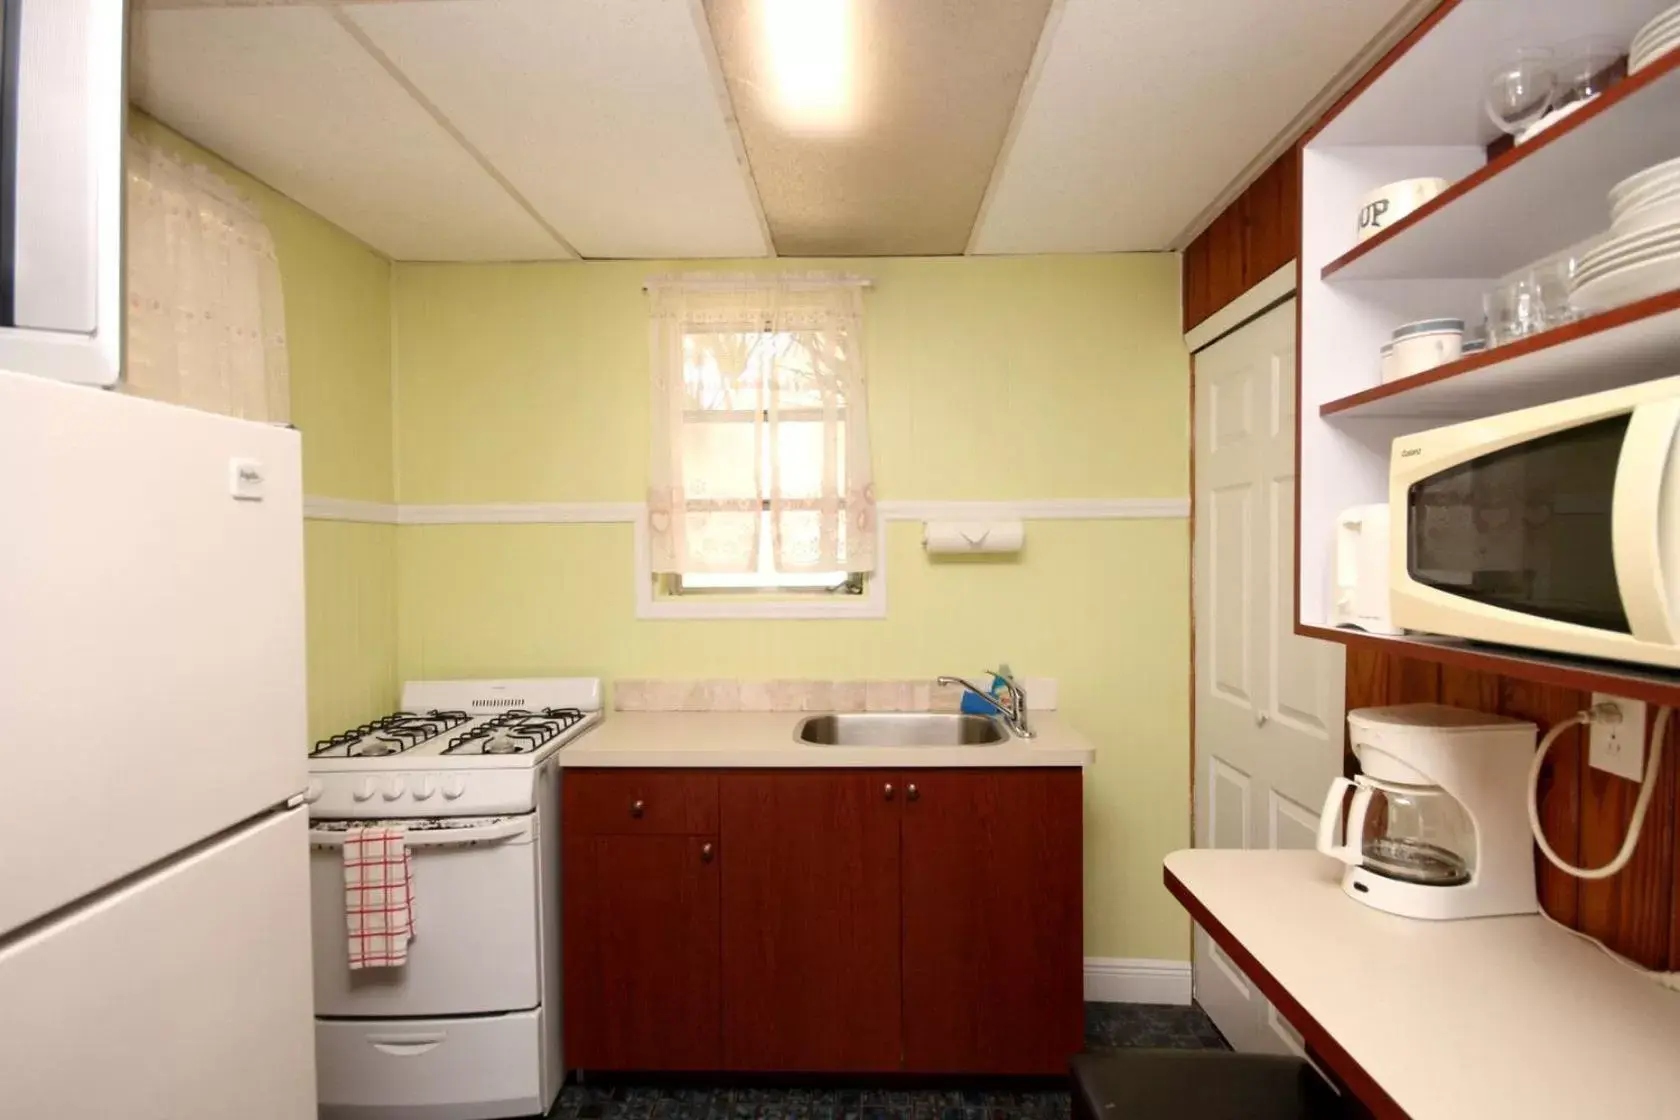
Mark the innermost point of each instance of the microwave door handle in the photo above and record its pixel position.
(1639, 532)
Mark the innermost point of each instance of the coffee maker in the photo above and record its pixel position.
(1437, 822)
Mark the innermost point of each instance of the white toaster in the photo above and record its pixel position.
(1361, 599)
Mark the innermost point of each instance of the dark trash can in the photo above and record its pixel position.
(1199, 1085)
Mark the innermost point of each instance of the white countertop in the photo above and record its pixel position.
(1483, 1017)
(765, 739)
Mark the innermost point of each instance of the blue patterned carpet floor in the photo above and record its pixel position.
(1108, 1026)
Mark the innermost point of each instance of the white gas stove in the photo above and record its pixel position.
(469, 1027)
(456, 749)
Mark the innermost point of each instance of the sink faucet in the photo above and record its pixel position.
(1014, 712)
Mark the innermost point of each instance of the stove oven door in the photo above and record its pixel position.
(475, 948)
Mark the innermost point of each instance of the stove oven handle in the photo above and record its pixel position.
(438, 838)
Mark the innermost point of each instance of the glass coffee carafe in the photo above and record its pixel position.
(1413, 833)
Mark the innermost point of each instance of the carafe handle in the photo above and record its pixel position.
(1330, 822)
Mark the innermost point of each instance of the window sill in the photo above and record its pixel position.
(871, 604)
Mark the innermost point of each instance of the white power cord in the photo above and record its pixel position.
(1653, 763)
(1669, 980)
(1647, 787)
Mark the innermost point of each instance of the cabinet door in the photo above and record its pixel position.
(993, 939)
(641, 952)
(811, 932)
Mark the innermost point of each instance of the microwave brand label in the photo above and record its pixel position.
(1408, 452)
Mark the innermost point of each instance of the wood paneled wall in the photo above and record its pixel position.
(1584, 811)
(1254, 237)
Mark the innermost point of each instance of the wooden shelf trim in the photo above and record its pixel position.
(1500, 356)
(1606, 102)
(1323, 1047)
(1635, 682)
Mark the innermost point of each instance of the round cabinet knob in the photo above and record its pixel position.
(706, 853)
(454, 788)
(911, 793)
(1260, 719)
(312, 792)
(363, 790)
(393, 789)
(887, 791)
(424, 788)
(637, 808)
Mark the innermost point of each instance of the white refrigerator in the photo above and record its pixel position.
(154, 863)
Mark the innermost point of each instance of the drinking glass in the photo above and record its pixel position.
(1520, 90)
(1515, 309)
(1587, 67)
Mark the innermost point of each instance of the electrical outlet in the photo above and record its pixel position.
(1618, 748)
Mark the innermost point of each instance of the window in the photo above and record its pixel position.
(760, 482)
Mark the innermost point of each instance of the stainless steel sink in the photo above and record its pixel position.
(900, 729)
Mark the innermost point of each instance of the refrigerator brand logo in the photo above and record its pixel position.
(1408, 452)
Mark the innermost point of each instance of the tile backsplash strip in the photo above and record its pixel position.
(802, 696)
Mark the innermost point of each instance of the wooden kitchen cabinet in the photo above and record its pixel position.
(811, 928)
(829, 920)
(639, 938)
(993, 921)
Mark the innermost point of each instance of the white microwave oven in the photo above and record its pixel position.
(1554, 528)
(62, 105)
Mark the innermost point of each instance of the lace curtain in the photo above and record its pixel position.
(206, 319)
(760, 426)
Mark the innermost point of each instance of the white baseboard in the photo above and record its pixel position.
(1136, 980)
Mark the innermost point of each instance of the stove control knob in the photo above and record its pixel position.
(363, 790)
(312, 792)
(453, 788)
(425, 788)
(393, 789)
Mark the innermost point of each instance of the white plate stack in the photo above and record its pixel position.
(1654, 40)
(1642, 256)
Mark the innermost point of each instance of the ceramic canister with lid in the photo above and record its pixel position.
(1425, 344)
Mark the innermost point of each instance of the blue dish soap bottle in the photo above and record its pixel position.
(974, 706)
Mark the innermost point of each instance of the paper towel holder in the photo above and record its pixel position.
(961, 538)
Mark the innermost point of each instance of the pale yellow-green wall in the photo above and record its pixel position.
(338, 332)
(1014, 378)
(1019, 378)
(1029, 377)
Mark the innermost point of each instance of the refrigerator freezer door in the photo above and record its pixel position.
(182, 995)
(151, 634)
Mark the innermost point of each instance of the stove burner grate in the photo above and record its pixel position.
(388, 735)
(515, 731)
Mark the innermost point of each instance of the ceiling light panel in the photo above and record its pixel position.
(287, 94)
(606, 115)
(1142, 112)
(872, 126)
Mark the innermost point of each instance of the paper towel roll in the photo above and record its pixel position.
(948, 537)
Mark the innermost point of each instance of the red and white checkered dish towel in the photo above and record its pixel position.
(378, 896)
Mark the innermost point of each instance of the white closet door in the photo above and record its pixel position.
(1269, 704)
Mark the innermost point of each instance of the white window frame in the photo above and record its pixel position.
(759, 604)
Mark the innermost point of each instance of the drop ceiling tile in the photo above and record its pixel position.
(287, 94)
(1141, 112)
(605, 114)
(930, 86)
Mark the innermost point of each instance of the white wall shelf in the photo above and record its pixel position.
(1534, 199)
(1420, 113)
(1624, 346)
